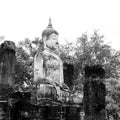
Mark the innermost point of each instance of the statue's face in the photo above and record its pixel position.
(52, 41)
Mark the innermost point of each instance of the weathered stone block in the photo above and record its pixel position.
(94, 93)
(7, 63)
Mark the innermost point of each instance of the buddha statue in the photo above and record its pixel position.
(48, 66)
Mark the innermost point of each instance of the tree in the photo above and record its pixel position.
(23, 67)
(112, 97)
(94, 51)
(25, 53)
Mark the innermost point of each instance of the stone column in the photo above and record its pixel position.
(68, 72)
(94, 93)
(7, 63)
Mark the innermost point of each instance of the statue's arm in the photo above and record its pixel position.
(39, 72)
(61, 73)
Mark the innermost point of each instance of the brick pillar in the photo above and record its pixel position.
(7, 63)
(68, 71)
(7, 72)
(94, 93)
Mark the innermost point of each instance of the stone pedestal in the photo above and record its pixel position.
(7, 63)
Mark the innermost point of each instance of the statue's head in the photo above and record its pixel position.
(50, 37)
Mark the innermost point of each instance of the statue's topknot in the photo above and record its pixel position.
(49, 30)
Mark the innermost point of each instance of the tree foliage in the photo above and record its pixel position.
(113, 97)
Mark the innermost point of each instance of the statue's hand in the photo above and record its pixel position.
(46, 81)
(64, 87)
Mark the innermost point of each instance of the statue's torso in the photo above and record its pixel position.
(52, 66)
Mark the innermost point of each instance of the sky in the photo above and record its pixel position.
(20, 19)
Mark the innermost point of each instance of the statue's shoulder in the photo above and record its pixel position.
(47, 55)
(38, 54)
(42, 54)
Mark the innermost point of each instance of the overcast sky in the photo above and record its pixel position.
(20, 19)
